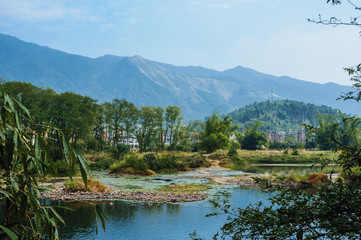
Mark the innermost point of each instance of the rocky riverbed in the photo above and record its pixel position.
(62, 195)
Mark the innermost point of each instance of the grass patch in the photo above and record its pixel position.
(78, 185)
(184, 188)
(280, 157)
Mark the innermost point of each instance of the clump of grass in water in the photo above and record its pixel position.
(78, 185)
(184, 188)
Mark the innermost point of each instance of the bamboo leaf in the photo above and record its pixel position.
(57, 215)
(37, 148)
(23, 107)
(101, 215)
(83, 169)
(10, 233)
(10, 101)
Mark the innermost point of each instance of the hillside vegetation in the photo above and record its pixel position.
(280, 115)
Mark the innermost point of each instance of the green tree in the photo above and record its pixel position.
(74, 114)
(159, 120)
(24, 158)
(173, 121)
(216, 133)
(336, 131)
(36, 100)
(121, 117)
(130, 120)
(114, 115)
(146, 127)
(252, 139)
(99, 137)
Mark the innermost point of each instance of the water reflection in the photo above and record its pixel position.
(157, 221)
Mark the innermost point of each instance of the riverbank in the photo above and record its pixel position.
(140, 190)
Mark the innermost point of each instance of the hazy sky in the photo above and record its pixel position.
(271, 36)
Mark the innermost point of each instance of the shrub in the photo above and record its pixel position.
(232, 152)
(133, 165)
(63, 167)
(151, 160)
(167, 161)
(78, 185)
(218, 156)
(317, 179)
(120, 150)
(197, 161)
(102, 163)
(295, 152)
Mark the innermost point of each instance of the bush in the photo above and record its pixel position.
(151, 160)
(167, 161)
(78, 185)
(295, 152)
(117, 166)
(232, 152)
(317, 179)
(102, 163)
(133, 165)
(197, 161)
(218, 156)
(120, 150)
(63, 167)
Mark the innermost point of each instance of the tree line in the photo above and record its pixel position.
(102, 127)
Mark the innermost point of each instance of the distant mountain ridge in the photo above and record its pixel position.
(197, 90)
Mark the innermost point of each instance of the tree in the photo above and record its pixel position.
(252, 139)
(25, 157)
(216, 133)
(115, 113)
(130, 120)
(334, 21)
(172, 125)
(146, 127)
(159, 120)
(99, 137)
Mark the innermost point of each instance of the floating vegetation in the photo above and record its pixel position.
(184, 188)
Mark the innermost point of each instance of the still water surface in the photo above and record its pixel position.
(159, 221)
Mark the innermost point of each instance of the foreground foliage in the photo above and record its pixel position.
(25, 154)
(330, 212)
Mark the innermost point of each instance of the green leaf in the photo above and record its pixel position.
(10, 233)
(23, 107)
(9, 100)
(37, 148)
(83, 169)
(57, 215)
(101, 215)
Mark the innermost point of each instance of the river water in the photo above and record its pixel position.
(158, 221)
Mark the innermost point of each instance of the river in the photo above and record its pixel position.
(138, 220)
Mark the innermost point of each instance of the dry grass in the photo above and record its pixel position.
(184, 188)
(78, 185)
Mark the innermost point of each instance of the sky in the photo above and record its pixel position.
(270, 36)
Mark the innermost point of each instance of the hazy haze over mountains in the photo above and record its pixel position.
(197, 90)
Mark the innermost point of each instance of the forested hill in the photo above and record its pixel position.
(280, 115)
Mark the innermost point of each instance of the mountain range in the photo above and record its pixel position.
(197, 90)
